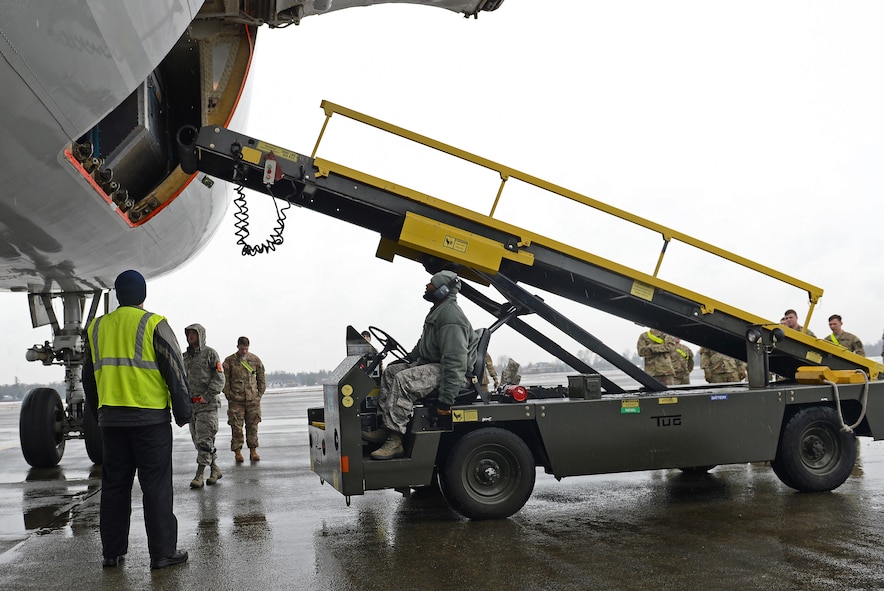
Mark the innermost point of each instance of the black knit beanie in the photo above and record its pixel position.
(131, 288)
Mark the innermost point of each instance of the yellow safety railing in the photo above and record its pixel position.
(814, 293)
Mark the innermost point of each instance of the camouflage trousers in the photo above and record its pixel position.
(668, 380)
(239, 414)
(721, 378)
(401, 386)
(203, 428)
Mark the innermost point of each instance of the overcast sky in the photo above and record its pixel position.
(756, 126)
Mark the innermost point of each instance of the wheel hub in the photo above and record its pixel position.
(814, 449)
(818, 450)
(487, 472)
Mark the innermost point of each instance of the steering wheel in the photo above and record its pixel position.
(388, 344)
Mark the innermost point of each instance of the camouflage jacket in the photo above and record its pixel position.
(204, 373)
(241, 383)
(448, 339)
(682, 362)
(718, 367)
(657, 348)
(510, 374)
(849, 341)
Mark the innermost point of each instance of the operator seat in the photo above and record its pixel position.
(468, 395)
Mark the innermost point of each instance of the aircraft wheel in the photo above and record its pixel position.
(489, 474)
(41, 428)
(814, 454)
(92, 435)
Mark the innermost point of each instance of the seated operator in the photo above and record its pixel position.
(442, 358)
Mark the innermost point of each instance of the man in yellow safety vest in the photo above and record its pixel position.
(133, 374)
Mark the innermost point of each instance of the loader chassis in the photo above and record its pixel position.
(485, 458)
(688, 429)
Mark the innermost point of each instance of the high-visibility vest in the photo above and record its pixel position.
(125, 361)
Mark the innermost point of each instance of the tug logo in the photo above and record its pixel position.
(668, 421)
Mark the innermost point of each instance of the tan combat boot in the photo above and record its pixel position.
(376, 436)
(253, 454)
(215, 475)
(392, 448)
(197, 481)
(237, 456)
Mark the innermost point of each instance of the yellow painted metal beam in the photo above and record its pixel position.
(423, 235)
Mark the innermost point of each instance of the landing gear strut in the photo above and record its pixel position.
(45, 423)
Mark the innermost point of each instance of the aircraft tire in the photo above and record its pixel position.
(92, 437)
(489, 474)
(41, 428)
(814, 455)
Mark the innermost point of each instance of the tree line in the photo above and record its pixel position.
(285, 379)
(275, 379)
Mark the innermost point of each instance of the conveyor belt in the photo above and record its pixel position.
(434, 232)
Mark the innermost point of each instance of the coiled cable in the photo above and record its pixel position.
(242, 226)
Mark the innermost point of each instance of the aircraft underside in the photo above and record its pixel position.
(93, 98)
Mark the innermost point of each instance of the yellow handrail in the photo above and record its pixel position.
(668, 234)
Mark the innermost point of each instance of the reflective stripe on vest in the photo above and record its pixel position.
(124, 359)
(654, 338)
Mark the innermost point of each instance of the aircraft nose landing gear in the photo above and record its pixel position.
(45, 423)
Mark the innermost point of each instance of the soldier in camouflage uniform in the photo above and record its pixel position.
(205, 378)
(657, 348)
(719, 368)
(443, 356)
(510, 373)
(790, 319)
(842, 338)
(682, 362)
(489, 372)
(244, 385)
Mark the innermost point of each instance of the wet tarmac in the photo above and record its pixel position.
(271, 525)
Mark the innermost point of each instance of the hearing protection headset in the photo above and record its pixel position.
(443, 291)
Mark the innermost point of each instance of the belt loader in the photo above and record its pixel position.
(485, 459)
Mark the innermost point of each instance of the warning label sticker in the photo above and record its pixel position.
(464, 416)
(628, 407)
(457, 244)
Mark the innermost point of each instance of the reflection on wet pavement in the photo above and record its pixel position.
(271, 525)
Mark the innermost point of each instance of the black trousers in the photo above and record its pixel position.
(147, 450)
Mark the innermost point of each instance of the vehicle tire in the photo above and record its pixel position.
(92, 437)
(489, 474)
(814, 454)
(41, 428)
